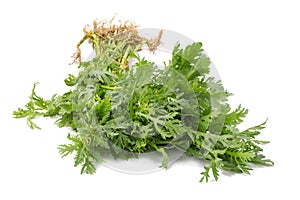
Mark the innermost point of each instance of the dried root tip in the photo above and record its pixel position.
(76, 57)
(155, 42)
(118, 31)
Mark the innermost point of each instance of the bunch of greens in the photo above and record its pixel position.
(122, 105)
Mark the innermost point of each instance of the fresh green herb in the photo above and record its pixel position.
(122, 109)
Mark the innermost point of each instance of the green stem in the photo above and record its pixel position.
(110, 87)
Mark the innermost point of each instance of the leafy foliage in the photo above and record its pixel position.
(124, 110)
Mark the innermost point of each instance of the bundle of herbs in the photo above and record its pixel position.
(123, 105)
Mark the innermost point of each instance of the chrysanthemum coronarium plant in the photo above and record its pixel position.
(121, 105)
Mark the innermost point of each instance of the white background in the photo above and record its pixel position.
(254, 45)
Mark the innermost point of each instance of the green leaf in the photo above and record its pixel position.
(165, 161)
(71, 80)
(254, 131)
(103, 109)
(236, 116)
(205, 174)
